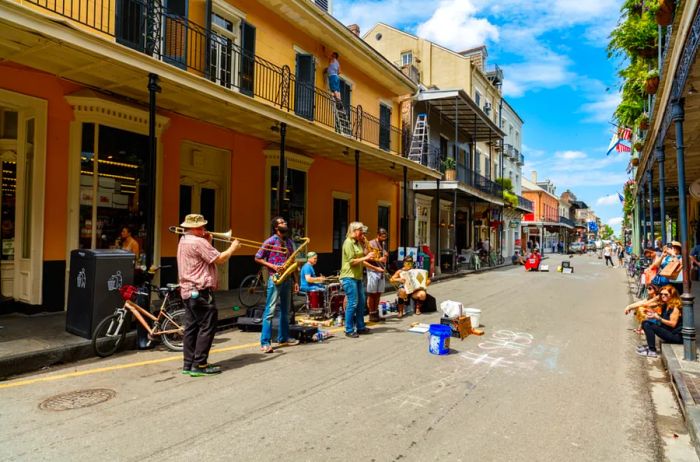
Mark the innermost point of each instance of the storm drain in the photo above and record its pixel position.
(77, 399)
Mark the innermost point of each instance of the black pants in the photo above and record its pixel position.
(608, 258)
(652, 330)
(200, 326)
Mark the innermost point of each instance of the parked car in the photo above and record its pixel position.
(578, 247)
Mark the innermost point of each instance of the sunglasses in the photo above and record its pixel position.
(665, 294)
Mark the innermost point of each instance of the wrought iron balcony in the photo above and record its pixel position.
(567, 221)
(521, 159)
(150, 28)
(525, 204)
(508, 150)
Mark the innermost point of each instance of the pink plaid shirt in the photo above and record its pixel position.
(195, 264)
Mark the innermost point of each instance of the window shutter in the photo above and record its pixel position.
(247, 67)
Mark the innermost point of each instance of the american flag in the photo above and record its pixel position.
(621, 140)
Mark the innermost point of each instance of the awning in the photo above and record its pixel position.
(460, 109)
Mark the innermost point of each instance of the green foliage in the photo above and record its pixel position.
(633, 35)
(606, 232)
(505, 183)
(510, 198)
(449, 163)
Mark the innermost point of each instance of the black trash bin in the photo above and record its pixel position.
(93, 287)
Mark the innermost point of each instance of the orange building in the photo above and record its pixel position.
(236, 87)
(542, 227)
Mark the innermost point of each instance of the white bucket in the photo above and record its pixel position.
(474, 314)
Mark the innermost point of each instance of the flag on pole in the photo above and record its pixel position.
(622, 199)
(621, 141)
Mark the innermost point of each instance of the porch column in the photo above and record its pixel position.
(650, 179)
(151, 163)
(661, 157)
(404, 224)
(644, 217)
(454, 221)
(542, 239)
(357, 185)
(688, 331)
(282, 176)
(639, 234)
(438, 263)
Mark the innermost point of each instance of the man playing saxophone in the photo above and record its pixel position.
(275, 260)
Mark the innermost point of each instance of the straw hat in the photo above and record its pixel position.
(676, 244)
(194, 220)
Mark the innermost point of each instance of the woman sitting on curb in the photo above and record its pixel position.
(653, 301)
(669, 327)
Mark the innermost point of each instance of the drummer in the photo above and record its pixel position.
(309, 281)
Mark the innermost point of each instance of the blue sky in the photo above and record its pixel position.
(557, 77)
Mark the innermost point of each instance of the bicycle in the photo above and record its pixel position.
(253, 289)
(169, 324)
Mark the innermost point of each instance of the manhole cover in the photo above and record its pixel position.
(77, 399)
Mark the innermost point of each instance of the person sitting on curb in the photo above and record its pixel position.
(669, 324)
(418, 295)
(653, 301)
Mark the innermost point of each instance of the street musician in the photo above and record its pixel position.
(376, 268)
(273, 255)
(409, 288)
(309, 281)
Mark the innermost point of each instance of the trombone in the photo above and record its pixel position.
(227, 237)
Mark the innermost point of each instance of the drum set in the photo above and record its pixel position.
(327, 303)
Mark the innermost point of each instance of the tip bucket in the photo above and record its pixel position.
(439, 340)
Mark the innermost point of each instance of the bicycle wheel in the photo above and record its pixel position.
(109, 335)
(177, 321)
(251, 291)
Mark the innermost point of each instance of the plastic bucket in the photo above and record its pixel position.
(474, 314)
(439, 340)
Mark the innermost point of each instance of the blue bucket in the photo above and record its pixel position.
(439, 341)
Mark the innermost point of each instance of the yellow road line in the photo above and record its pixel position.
(68, 375)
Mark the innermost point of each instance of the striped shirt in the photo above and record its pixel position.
(195, 264)
(274, 257)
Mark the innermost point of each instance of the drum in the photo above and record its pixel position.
(334, 288)
(316, 300)
(337, 300)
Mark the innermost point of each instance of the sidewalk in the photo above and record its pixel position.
(32, 342)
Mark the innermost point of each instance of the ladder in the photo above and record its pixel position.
(419, 139)
(342, 123)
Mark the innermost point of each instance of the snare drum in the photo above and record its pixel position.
(316, 300)
(334, 288)
(337, 300)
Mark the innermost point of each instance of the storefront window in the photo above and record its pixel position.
(294, 203)
(9, 182)
(112, 183)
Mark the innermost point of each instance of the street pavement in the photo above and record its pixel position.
(554, 377)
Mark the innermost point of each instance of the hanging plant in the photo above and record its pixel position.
(639, 145)
(636, 36)
(643, 121)
(663, 11)
(635, 161)
(651, 85)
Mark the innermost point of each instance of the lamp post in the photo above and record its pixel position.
(688, 331)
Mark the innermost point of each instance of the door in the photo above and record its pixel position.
(247, 66)
(304, 88)
(131, 24)
(340, 228)
(175, 33)
(384, 127)
(204, 189)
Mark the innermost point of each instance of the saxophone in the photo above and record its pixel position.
(291, 265)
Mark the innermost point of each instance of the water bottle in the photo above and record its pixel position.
(319, 335)
(195, 294)
(339, 320)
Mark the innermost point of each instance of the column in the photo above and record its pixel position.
(644, 217)
(650, 180)
(357, 185)
(438, 263)
(688, 331)
(282, 175)
(151, 163)
(660, 158)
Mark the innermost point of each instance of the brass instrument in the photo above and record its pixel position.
(227, 237)
(290, 265)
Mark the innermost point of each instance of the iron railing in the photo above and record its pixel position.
(525, 204)
(150, 28)
(567, 221)
(480, 182)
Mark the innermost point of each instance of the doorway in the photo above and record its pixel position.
(304, 89)
(204, 189)
(341, 213)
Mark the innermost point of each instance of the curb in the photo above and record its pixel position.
(691, 411)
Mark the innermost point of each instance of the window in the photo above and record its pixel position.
(340, 222)
(223, 46)
(477, 98)
(383, 220)
(406, 58)
(294, 202)
(477, 162)
(112, 184)
(487, 165)
(384, 127)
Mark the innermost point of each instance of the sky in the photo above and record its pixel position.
(556, 75)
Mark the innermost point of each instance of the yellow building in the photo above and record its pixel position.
(105, 104)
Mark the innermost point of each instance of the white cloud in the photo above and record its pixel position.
(570, 155)
(454, 26)
(601, 108)
(612, 199)
(615, 221)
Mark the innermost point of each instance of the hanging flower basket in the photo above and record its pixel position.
(664, 15)
(635, 161)
(638, 146)
(644, 124)
(651, 85)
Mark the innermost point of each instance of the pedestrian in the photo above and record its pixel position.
(334, 75)
(621, 255)
(196, 265)
(273, 255)
(607, 253)
(353, 259)
(667, 325)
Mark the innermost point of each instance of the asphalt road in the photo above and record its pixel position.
(554, 377)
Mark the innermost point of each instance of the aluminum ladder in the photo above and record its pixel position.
(419, 139)
(342, 122)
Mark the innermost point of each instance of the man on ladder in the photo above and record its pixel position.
(334, 76)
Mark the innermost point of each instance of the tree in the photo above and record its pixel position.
(607, 232)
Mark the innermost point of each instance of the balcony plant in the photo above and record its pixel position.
(643, 121)
(638, 145)
(662, 10)
(652, 82)
(509, 197)
(449, 165)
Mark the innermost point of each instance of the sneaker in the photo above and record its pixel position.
(352, 334)
(641, 348)
(648, 353)
(185, 371)
(206, 369)
(290, 342)
(364, 331)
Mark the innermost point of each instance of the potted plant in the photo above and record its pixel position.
(635, 160)
(639, 145)
(663, 11)
(643, 121)
(449, 166)
(652, 82)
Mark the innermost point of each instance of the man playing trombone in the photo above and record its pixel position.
(273, 255)
(196, 265)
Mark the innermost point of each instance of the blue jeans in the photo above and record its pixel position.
(334, 82)
(355, 310)
(282, 294)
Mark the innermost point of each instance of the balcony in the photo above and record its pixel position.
(150, 28)
(410, 71)
(567, 221)
(508, 150)
(521, 158)
(525, 204)
(478, 181)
